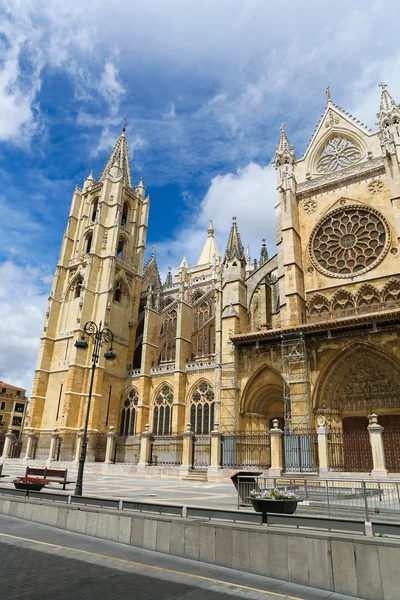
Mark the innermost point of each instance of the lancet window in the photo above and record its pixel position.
(89, 243)
(118, 291)
(78, 287)
(120, 247)
(129, 413)
(202, 409)
(204, 312)
(162, 411)
(124, 216)
(95, 207)
(170, 322)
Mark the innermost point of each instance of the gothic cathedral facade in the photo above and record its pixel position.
(233, 343)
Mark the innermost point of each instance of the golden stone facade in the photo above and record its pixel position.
(230, 343)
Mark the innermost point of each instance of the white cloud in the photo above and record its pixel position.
(110, 87)
(249, 195)
(22, 306)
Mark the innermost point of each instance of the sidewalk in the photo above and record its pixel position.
(42, 563)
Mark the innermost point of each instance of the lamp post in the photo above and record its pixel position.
(98, 336)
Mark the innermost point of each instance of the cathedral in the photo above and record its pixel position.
(235, 345)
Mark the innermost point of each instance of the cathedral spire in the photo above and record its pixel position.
(118, 161)
(284, 153)
(168, 280)
(210, 249)
(389, 112)
(234, 248)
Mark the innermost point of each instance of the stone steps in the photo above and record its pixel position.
(196, 476)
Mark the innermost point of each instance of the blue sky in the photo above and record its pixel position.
(205, 86)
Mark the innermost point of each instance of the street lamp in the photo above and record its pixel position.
(98, 336)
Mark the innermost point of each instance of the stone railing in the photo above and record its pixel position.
(133, 372)
(162, 369)
(200, 364)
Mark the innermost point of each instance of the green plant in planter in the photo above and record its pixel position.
(273, 493)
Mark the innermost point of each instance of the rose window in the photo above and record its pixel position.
(349, 241)
(338, 153)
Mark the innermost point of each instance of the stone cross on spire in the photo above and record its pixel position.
(328, 94)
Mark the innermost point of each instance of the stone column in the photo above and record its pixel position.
(187, 452)
(145, 448)
(29, 446)
(79, 443)
(276, 449)
(111, 435)
(53, 446)
(323, 454)
(378, 454)
(7, 448)
(215, 463)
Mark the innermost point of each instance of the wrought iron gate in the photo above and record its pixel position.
(201, 452)
(300, 451)
(246, 449)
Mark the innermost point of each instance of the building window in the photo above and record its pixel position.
(18, 392)
(202, 409)
(78, 287)
(19, 408)
(17, 421)
(3, 390)
(124, 216)
(120, 247)
(162, 411)
(128, 414)
(118, 291)
(94, 209)
(89, 243)
(3, 406)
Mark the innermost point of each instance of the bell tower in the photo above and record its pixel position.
(98, 278)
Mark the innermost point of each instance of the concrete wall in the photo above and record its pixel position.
(358, 566)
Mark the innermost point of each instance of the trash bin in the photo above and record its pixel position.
(245, 486)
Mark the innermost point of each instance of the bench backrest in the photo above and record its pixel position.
(45, 472)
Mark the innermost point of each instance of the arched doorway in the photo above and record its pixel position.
(361, 381)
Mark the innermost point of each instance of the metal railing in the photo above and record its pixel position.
(350, 525)
(366, 497)
(166, 451)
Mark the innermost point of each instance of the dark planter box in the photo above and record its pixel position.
(33, 487)
(284, 507)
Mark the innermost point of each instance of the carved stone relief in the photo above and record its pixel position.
(375, 187)
(310, 206)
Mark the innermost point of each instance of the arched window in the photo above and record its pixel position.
(204, 312)
(78, 287)
(89, 243)
(170, 322)
(168, 351)
(118, 290)
(128, 414)
(3, 406)
(120, 247)
(94, 209)
(202, 409)
(162, 411)
(124, 216)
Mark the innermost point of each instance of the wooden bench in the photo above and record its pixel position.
(53, 475)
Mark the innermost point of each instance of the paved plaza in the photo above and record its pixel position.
(222, 495)
(40, 562)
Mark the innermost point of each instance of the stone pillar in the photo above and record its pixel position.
(323, 454)
(276, 449)
(79, 443)
(110, 448)
(7, 448)
(378, 454)
(29, 446)
(215, 463)
(145, 448)
(53, 445)
(187, 452)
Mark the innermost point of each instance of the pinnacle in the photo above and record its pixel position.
(234, 247)
(119, 159)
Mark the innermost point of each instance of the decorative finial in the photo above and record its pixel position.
(126, 123)
(210, 229)
(233, 218)
(282, 127)
(382, 85)
(328, 94)
(153, 251)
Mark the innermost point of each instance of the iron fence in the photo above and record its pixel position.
(166, 450)
(96, 448)
(246, 449)
(41, 446)
(391, 446)
(370, 497)
(65, 449)
(349, 450)
(127, 449)
(300, 453)
(201, 452)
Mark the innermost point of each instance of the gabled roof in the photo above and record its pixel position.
(210, 249)
(118, 161)
(330, 110)
(151, 274)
